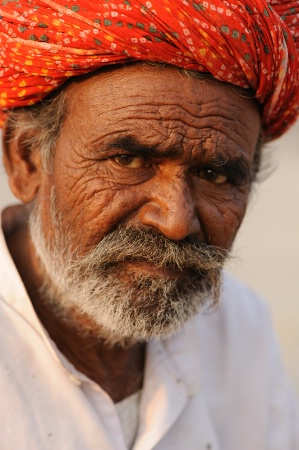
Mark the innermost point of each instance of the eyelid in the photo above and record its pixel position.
(234, 176)
(237, 170)
(207, 173)
(140, 161)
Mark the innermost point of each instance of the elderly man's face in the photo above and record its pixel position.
(150, 148)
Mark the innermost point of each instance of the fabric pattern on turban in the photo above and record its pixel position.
(250, 43)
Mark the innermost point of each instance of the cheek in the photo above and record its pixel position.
(91, 207)
(221, 217)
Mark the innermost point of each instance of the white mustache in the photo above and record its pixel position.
(146, 245)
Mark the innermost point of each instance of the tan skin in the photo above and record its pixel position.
(143, 146)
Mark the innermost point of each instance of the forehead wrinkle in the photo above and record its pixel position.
(219, 118)
(231, 113)
(171, 120)
(154, 129)
(208, 138)
(168, 111)
(171, 139)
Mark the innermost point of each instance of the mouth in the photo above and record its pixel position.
(151, 270)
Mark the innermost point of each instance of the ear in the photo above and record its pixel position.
(23, 166)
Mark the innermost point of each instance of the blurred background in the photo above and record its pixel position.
(268, 243)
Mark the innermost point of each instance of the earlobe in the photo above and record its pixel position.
(23, 166)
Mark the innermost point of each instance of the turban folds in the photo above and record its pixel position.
(249, 43)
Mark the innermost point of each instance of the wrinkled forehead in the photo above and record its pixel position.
(115, 84)
(159, 104)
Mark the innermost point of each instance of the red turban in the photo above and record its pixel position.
(249, 43)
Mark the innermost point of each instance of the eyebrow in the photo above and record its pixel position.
(133, 145)
(236, 168)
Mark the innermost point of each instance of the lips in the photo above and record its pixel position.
(151, 270)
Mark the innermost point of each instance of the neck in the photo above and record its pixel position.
(118, 369)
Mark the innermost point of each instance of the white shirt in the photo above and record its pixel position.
(218, 384)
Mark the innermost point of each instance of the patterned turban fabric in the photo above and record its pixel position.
(250, 43)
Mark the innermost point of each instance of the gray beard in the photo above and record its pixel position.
(124, 307)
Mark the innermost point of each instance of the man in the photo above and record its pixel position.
(137, 177)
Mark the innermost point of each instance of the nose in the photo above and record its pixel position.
(171, 210)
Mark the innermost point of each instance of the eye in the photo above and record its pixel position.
(213, 176)
(131, 161)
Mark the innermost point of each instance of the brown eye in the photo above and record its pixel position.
(131, 161)
(213, 176)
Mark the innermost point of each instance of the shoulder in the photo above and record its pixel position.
(241, 364)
